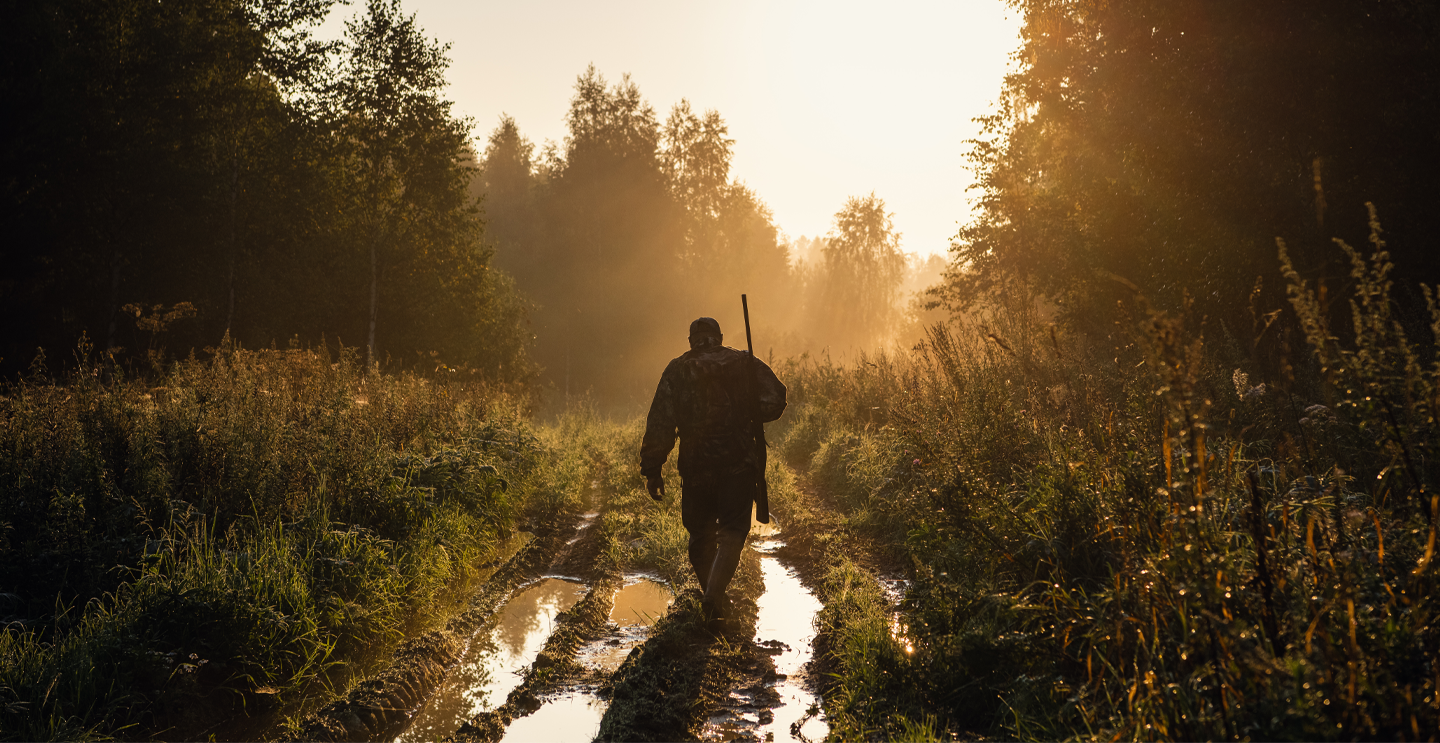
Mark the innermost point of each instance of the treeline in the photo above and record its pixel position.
(1163, 478)
(1162, 147)
(177, 173)
(174, 172)
(633, 226)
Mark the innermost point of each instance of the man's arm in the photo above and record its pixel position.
(660, 434)
(769, 391)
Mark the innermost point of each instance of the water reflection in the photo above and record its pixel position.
(488, 674)
(641, 603)
(637, 606)
(787, 612)
(569, 717)
(895, 590)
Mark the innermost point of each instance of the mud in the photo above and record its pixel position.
(816, 538)
(627, 661)
(572, 716)
(786, 624)
(491, 668)
(668, 687)
(556, 666)
(382, 707)
(638, 605)
(780, 702)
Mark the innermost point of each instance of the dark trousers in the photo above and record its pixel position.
(715, 510)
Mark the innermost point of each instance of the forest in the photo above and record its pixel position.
(320, 404)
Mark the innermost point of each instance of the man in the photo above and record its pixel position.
(712, 397)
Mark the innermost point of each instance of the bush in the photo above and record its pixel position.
(1139, 540)
(256, 521)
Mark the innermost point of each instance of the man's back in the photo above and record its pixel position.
(705, 397)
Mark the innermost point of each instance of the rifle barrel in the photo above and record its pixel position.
(749, 344)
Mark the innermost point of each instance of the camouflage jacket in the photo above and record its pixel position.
(702, 398)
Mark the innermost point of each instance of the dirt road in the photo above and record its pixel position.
(570, 639)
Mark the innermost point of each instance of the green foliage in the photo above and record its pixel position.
(280, 515)
(595, 457)
(1099, 551)
(212, 154)
(1167, 143)
(731, 244)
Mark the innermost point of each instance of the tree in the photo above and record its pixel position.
(405, 142)
(113, 178)
(197, 154)
(1160, 146)
(696, 156)
(610, 246)
(859, 276)
(507, 181)
(730, 244)
(279, 59)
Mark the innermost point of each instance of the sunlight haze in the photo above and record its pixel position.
(824, 100)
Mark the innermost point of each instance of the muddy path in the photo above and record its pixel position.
(755, 679)
(587, 582)
(571, 641)
(818, 538)
(384, 705)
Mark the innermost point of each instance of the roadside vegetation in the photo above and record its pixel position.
(238, 534)
(1137, 540)
(1138, 485)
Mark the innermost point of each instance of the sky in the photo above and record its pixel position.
(825, 100)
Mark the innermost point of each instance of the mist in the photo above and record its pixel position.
(633, 226)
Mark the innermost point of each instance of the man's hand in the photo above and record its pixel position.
(656, 486)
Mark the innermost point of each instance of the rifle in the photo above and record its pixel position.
(762, 489)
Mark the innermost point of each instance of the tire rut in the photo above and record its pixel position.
(381, 707)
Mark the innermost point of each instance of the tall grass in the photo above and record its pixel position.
(235, 531)
(1136, 537)
(600, 458)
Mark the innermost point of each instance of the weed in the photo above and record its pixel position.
(251, 527)
(1131, 539)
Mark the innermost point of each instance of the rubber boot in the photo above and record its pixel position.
(702, 555)
(727, 559)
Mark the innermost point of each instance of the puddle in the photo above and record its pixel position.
(786, 612)
(895, 590)
(575, 715)
(569, 717)
(487, 674)
(637, 605)
(641, 603)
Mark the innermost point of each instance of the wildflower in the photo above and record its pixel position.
(1243, 388)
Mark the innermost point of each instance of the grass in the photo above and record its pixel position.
(1142, 537)
(1153, 535)
(636, 533)
(243, 531)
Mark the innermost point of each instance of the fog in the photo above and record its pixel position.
(632, 227)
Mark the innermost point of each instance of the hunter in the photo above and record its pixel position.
(715, 399)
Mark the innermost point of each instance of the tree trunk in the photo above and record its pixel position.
(115, 258)
(374, 294)
(230, 280)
